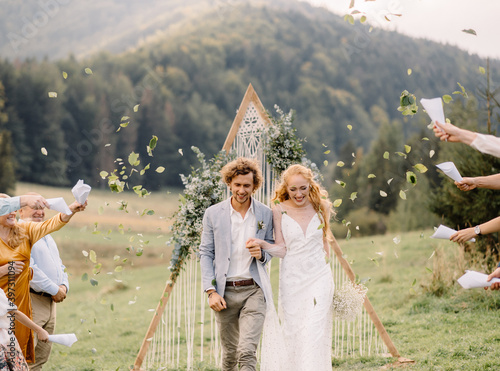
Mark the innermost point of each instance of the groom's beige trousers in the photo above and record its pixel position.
(240, 327)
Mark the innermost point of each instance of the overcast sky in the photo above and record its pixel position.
(438, 20)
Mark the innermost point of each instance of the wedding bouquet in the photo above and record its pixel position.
(348, 300)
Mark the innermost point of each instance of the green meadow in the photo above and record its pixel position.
(411, 280)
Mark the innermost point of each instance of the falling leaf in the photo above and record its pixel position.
(85, 253)
(327, 152)
(421, 168)
(414, 282)
(425, 138)
(411, 177)
(390, 180)
(119, 268)
(353, 196)
(64, 75)
(103, 174)
(100, 211)
(396, 239)
(349, 18)
(407, 148)
(383, 194)
(85, 277)
(180, 151)
(160, 169)
(341, 183)
(348, 236)
(470, 31)
(340, 164)
(349, 127)
(52, 94)
(44, 151)
(337, 202)
(107, 144)
(93, 256)
(371, 176)
(363, 19)
(409, 71)
(402, 194)
(430, 257)
(88, 71)
(428, 269)
(431, 153)
(325, 162)
(447, 98)
(133, 159)
(402, 154)
(94, 282)
(136, 107)
(321, 226)
(374, 261)
(482, 71)
(386, 155)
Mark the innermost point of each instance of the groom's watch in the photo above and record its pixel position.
(477, 230)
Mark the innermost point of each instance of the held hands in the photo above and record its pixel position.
(215, 301)
(463, 235)
(253, 246)
(495, 274)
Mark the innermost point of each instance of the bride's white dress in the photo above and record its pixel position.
(305, 296)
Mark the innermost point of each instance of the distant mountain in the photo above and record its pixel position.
(190, 78)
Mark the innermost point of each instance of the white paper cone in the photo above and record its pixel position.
(59, 204)
(444, 232)
(81, 191)
(473, 280)
(451, 170)
(434, 108)
(63, 339)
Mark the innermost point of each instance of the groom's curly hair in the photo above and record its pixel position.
(242, 166)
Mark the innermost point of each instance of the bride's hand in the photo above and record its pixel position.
(254, 242)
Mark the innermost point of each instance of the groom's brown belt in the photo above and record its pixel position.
(40, 293)
(240, 283)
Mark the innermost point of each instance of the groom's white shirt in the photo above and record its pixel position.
(216, 241)
(242, 228)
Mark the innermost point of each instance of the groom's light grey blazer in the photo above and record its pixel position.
(215, 247)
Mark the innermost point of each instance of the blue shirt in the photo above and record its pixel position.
(8, 205)
(48, 269)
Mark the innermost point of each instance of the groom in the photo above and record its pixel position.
(229, 265)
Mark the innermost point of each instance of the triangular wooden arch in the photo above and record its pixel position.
(249, 97)
(252, 97)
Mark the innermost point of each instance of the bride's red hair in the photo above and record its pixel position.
(317, 194)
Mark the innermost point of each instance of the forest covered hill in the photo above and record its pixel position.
(189, 82)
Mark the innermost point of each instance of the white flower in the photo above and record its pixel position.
(348, 301)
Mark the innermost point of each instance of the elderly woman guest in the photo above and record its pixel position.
(16, 241)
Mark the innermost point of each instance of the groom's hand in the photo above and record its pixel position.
(216, 302)
(254, 248)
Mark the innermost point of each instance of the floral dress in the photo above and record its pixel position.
(11, 357)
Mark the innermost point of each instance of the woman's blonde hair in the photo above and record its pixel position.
(17, 233)
(318, 196)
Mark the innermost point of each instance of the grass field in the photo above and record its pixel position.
(452, 329)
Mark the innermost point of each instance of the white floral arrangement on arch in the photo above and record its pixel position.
(348, 301)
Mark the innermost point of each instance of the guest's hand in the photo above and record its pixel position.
(61, 294)
(463, 235)
(18, 268)
(451, 133)
(35, 202)
(216, 302)
(43, 335)
(466, 184)
(495, 274)
(76, 207)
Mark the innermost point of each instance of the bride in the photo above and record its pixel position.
(301, 220)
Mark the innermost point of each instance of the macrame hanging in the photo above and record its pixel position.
(183, 331)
